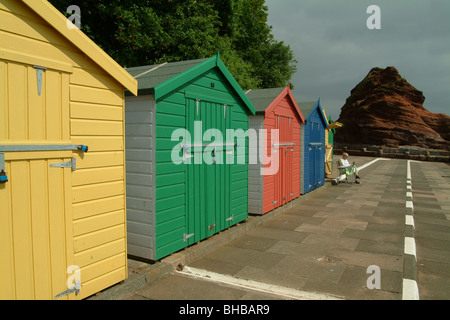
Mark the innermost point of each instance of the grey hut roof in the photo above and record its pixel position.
(262, 98)
(306, 107)
(150, 76)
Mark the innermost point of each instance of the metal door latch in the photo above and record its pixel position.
(76, 289)
(212, 226)
(230, 218)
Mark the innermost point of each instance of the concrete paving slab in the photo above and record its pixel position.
(373, 235)
(298, 249)
(272, 278)
(366, 259)
(321, 268)
(254, 243)
(321, 229)
(329, 241)
(433, 287)
(242, 256)
(272, 233)
(377, 246)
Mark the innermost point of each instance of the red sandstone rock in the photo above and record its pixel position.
(385, 110)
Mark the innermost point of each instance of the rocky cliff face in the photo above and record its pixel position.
(385, 110)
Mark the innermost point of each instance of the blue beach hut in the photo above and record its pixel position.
(312, 164)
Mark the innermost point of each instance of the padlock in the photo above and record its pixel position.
(3, 177)
(83, 148)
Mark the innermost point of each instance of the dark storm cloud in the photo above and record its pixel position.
(335, 49)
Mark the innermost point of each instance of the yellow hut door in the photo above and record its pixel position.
(36, 245)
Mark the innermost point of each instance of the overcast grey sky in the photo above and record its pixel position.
(335, 50)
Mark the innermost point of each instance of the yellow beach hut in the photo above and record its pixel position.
(62, 160)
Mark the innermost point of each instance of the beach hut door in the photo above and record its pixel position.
(36, 240)
(209, 170)
(285, 149)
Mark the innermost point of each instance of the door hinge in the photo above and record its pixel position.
(39, 71)
(68, 164)
(76, 289)
(187, 236)
(275, 202)
(230, 218)
(196, 104)
(292, 194)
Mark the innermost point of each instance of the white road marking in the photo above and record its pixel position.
(409, 220)
(410, 290)
(372, 162)
(410, 246)
(410, 287)
(255, 285)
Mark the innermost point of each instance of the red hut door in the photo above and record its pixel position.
(283, 178)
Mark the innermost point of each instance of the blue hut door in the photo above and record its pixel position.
(314, 155)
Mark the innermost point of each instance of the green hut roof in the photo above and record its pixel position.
(158, 80)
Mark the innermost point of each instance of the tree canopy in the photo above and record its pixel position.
(148, 32)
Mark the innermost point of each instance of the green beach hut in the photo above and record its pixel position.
(186, 170)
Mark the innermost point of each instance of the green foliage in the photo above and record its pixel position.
(153, 31)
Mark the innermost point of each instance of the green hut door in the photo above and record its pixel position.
(208, 169)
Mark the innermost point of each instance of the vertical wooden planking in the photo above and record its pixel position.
(53, 105)
(65, 107)
(17, 102)
(56, 207)
(22, 241)
(7, 286)
(4, 111)
(39, 222)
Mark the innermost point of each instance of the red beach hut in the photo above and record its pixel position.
(274, 153)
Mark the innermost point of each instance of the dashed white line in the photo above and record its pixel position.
(409, 204)
(410, 246)
(410, 290)
(409, 220)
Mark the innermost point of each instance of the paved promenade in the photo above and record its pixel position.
(386, 238)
